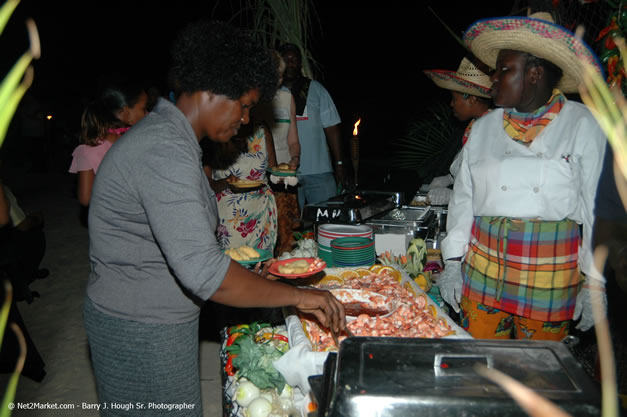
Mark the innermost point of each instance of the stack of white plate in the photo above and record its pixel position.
(328, 232)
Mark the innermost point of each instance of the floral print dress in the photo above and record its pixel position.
(248, 218)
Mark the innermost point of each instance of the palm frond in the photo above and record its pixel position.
(424, 139)
(274, 22)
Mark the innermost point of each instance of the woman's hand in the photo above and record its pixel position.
(263, 269)
(322, 304)
(219, 185)
(294, 162)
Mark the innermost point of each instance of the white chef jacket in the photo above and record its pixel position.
(553, 179)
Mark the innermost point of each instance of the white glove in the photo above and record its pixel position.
(442, 181)
(450, 283)
(584, 304)
(439, 196)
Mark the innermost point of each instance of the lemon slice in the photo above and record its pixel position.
(332, 279)
(375, 268)
(363, 272)
(421, 300)
(395, 273)
(431, 309)
(349, 274)
(408, 287)
(304, 324)
(422, 282)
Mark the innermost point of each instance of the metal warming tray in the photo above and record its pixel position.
(401, 377)
(411, 221)
(352, 207)
(394, 229)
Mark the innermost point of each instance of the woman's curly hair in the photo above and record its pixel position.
(214, 56)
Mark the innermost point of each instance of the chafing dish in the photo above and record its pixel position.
(352, 207)
(403, 377)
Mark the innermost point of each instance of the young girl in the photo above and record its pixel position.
(104, 120)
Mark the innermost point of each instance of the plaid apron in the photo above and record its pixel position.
(524, 267)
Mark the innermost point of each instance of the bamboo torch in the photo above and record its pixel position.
(355, 150)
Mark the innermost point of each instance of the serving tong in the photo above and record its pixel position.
(334, 335)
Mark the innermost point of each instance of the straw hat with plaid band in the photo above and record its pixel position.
(468, 79)
(537, 35)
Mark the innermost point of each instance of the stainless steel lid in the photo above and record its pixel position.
(350, 208)
(411, 217)
(400, 377)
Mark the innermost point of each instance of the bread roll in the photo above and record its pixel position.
(296, 267)
(242, 254)
(234, 254)
(250, 252)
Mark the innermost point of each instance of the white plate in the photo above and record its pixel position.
(345, 229)
(329, 231)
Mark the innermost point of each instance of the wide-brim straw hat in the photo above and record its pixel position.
(537, 35)
(468, 79)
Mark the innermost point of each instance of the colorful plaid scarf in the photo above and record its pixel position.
(525, 127)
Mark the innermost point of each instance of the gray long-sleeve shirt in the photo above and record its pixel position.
(152, 220)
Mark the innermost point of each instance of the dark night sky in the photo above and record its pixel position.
(372, 57)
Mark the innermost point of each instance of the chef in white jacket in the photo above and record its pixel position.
(470, 99)
(517, 253)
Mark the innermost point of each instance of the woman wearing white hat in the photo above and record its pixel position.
(470, 91)
(517, 253)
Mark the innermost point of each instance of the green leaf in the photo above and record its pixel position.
(254, 362)
(12, 79)
(6, 11)
(6, 306)
(8, 108)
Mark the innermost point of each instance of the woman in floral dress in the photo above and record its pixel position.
(246, 218)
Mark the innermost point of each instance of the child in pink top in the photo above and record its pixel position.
(115, 110)
(86, 157)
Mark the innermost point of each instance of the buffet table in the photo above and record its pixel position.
(399, 363)
(305, 359)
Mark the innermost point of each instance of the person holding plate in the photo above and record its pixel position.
(280, 116)
(154, 255)
(246, 205)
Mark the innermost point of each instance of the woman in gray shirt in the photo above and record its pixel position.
(153, 251)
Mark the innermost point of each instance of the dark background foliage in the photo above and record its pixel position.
(371, 57)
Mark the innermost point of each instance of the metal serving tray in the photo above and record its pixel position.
(406, 217)
(350, 208)
(410, 221)
(402, 377)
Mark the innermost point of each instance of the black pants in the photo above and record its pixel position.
(22, 255)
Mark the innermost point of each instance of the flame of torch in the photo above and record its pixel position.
(355, 150)
(355, 132)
